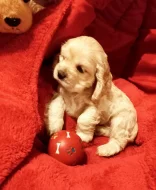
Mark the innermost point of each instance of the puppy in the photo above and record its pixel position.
(86, 92)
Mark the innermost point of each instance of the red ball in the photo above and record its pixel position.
(66, 146)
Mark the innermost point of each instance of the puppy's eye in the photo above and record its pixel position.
(26, 1)
(80, 69)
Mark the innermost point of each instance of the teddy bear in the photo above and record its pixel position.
(16, 16)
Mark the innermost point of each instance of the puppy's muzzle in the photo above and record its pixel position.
(61, 75)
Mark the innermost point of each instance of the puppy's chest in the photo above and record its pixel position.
(74, 106)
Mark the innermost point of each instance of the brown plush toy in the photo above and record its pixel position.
(16, 15)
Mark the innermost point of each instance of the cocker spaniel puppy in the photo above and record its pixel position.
(86, 92)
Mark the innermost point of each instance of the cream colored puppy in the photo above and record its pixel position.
(86, 92)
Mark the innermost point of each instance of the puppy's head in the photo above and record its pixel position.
(82, 62)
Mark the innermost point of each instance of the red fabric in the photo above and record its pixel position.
(127, 31)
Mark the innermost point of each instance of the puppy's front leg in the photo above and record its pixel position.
(55, 114)
(86, 123)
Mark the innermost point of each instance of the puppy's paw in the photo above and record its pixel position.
(109, 149)
(85, 137)
(56, 127)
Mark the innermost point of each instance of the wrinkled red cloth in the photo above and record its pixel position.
(127, 31)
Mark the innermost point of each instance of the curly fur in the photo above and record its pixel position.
(87, 93)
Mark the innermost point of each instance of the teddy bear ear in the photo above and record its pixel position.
(45, 3)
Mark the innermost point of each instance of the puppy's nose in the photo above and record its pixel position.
(61, 75)
(13, 22)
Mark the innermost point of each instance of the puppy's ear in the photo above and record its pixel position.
(103, 78)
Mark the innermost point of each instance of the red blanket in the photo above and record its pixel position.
(127, 31)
